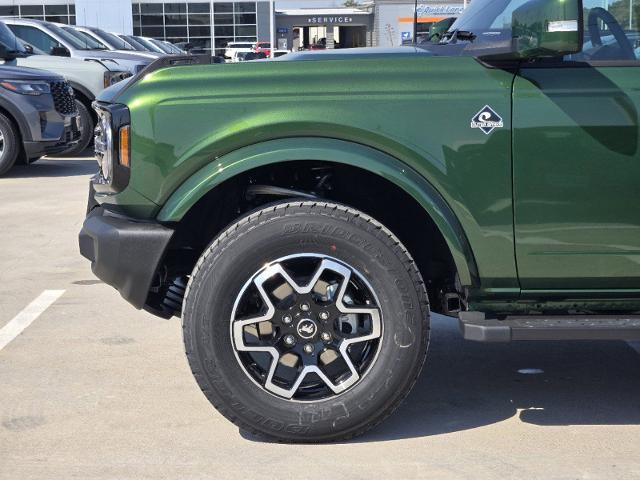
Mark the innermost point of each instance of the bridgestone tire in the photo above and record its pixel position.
(11, 149)
(86, 128)
(292, 228)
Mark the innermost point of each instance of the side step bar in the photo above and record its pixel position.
(474, 326)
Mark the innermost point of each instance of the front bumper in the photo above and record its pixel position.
(124, 253)
(69, 137)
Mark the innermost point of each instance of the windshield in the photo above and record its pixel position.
(112, 40)
(134, 43)
(10, 41)
(482, 16)
(148, 44)
(173, 48)
(89, 42)
(161, 45)
(67, 37)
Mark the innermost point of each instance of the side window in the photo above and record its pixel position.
(35, 37)
(611, 31)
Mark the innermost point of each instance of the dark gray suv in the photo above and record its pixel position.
(38, 114)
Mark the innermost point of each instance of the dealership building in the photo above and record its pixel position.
(214, 23)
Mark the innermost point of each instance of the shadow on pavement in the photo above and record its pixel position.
(56, 167)
(465, 385)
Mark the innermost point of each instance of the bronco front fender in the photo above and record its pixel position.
(329, 150)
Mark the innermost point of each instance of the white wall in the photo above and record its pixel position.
(110, 15)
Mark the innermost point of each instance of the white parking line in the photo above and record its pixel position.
(26, 317)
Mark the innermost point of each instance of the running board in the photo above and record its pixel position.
(474, 326)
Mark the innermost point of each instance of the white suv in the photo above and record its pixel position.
(87, 78)
(233, 47)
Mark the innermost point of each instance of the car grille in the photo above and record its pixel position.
(63, 98)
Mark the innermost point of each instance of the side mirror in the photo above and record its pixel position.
(547, 28)
(28, 48)
(60, 52)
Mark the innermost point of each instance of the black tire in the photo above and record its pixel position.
(86, 126)
(10, 146)
(291, 228)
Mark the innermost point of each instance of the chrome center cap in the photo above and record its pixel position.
(306, 328)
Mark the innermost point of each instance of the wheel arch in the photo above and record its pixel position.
(375, 162)
(14, 114)
(85, 96)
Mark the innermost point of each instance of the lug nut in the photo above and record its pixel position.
(286, 319)
(326, 337)
(324, 316)
(304, 307)
(290, 340)
(308, 348)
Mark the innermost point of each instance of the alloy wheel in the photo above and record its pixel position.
(306, 327)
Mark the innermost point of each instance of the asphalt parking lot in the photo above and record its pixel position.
(95, 389)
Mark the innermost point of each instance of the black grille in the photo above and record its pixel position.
(63, 98)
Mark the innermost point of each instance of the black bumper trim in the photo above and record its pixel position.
(124, 253)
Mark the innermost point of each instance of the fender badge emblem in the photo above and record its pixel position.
(487, 120)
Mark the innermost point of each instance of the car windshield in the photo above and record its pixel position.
(89, 42)
(112, 40)
(484, 16)
(67, 37)
(134, 43)
(173, 48)
(10, 41)
(161, 45)
(148, 44)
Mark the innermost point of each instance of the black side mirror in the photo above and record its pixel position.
(28, 48)
(60, 52)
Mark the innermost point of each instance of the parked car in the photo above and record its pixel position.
(264, 47)
(87, 79)
(53, 40)
(111, 41)
(304, 236)
(233, 47)
(37, 113)
(280, 53)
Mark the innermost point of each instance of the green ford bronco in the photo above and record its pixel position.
(304, 234)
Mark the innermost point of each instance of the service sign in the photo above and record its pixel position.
(329, 20)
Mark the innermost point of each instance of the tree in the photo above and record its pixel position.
(351, 3)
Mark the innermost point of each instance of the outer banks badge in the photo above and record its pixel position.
(487, 120)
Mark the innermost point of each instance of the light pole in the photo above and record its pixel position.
(272, 26)
(415, 23)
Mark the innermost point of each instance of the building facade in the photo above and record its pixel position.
(211, 24)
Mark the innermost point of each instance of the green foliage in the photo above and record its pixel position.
(351, 3)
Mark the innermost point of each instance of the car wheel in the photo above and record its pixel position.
(306, 322)
(9, 144)
(85, 125)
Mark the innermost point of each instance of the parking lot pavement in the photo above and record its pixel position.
(94, 389)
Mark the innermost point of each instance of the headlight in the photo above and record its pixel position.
(111, 78)
(26, 87)
(103, 141)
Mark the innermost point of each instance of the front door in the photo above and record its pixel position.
(576, 160)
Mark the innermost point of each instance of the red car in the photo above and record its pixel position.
(263, 47)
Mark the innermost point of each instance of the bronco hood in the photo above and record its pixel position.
(351, 53)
